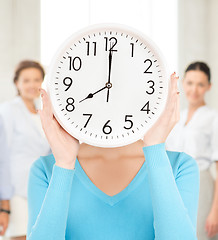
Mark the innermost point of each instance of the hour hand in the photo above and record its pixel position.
(89, 96)
(92, 94)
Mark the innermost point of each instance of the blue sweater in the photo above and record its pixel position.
(160, 203)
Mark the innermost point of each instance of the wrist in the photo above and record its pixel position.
(70, 166)
(154, 144)
(149, 141)
(154, 137)
(5, 211)
(66, 161)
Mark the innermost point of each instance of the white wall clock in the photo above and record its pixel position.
(108, 84)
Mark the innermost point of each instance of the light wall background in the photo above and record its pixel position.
(19, 39)
(198, 39)
(190, 31)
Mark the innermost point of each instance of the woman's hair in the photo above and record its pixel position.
(27, 64)
(199, 66)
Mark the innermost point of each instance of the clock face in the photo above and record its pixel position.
(108, 85)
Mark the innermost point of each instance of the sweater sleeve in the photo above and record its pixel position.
(48, 202)
(174, 199)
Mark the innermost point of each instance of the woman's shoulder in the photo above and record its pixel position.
(5, 107)
(209, 111)
(42, 167)
(209, 116)
(182, 163)
(7, 113)
(8, 107)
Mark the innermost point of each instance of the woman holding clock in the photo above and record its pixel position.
(139, 191)
(197, 135)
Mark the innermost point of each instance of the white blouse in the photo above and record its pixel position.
(23, 142)
(199, 138)
(37, 120)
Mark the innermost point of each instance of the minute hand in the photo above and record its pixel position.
(109, 74)
(110, 61)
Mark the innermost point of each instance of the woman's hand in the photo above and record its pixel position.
(63, 145)
(168, 119)
(211, 225)
(4, 220)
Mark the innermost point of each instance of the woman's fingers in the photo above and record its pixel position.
(212, 231)
(172, 83)
(207, 227)
(47, 107)
(209, 230)
(177, 96)
(178, 107)
(46, 113)
(173, 104)
(172, 89)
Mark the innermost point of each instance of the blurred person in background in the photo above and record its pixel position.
(22, 142)
(197, 135)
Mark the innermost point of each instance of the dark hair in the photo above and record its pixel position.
(200, 66)
(27, 64)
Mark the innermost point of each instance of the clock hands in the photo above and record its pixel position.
(92, 94)
(108, 84)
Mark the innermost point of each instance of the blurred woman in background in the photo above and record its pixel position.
(22, 143)
(197, 135)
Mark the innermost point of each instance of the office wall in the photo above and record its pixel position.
(19, 39)
(198, 40)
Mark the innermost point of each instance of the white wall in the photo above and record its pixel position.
(198, 39)
(19, 39)
(212, 48)
(20, 35)
(148, 16)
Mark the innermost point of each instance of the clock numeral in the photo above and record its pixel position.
(76, 63)
(132, 49)
(70, 107)
(88, 44)
(86, 114)
(112, 43)
(106, 128)
(152, 87)
(150, 64)
(67, 82)
(146, 108)
(128, 120)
